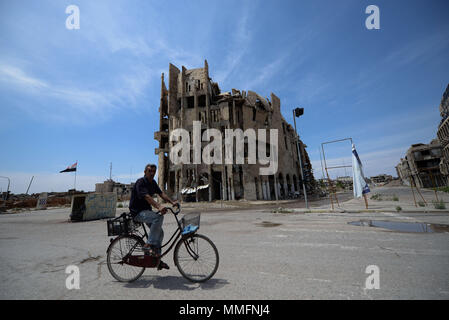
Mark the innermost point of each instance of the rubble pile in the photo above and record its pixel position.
(22, 201)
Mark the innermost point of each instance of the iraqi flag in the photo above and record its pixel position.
(359, 184)
(70, 168)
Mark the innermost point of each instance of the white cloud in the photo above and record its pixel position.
(266, 73)
(418, 50)
(240, 43)
(79, 103)
(18, 77)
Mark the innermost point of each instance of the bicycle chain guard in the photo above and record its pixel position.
(142, 261)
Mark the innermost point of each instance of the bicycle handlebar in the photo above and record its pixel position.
(174, 212)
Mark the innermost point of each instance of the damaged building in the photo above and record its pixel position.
(427, 165)
(421, 166)
(193, 96)
(122, 190)
(443, 134)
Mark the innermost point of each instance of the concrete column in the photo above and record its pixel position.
(195, 102)
(267, 188)
(224, 183)
(276, 190)
(183, 90)
(232, 182)
(161, 170)
(181, 182)
(211, 182)
(234, 120)
(177, 191)
(259, 182)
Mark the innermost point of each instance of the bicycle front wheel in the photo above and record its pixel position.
(118, 250)
(196, 258)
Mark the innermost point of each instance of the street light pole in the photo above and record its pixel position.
(297, 113)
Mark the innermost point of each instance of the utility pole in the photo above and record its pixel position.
(7, 189)
(30, 184)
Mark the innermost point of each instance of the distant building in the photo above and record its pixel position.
(346, 182)
(122, 190)
(421, 165)
(382, 178)
(345, 179)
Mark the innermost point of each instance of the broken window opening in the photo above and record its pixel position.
(164, 142)
(202, 100)
(215, 115)
(190, 102)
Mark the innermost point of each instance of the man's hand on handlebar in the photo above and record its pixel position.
(162, 210)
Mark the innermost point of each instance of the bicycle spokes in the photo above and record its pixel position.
(196, 258)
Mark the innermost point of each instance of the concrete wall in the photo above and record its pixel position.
(93, 206)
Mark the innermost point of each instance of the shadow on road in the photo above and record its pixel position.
(175, 283)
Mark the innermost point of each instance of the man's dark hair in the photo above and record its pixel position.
(150, 165)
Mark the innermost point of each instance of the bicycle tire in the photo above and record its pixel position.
(117, 250)
(204, 266)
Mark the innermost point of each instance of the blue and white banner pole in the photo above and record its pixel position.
(359, 184)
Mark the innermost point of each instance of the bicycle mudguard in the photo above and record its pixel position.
(142, 261)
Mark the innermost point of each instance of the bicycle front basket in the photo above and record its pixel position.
(192, 220)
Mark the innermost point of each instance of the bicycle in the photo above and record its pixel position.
(195, 255)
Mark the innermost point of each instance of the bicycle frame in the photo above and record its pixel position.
(176, 235)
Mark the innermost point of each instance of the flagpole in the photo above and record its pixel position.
(76, 169)
(366, 200)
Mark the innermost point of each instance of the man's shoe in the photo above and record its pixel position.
(162, 265)
(150, 251)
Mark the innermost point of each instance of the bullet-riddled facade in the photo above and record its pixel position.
(443, 134)
(193, 96)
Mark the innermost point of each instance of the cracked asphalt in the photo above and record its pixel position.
(263, 255)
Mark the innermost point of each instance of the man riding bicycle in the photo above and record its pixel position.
(140, 206)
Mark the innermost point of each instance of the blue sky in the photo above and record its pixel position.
(92, 94)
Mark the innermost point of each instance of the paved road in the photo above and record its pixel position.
(298, 256)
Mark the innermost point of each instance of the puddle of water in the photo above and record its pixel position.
(403, 226)
(268, 224)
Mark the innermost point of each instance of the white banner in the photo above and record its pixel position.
(359, 184)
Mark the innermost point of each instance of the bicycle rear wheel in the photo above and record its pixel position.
(117, 251)
(196, 258)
